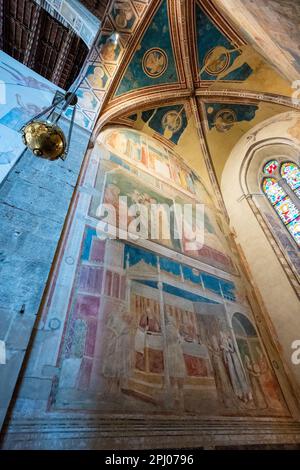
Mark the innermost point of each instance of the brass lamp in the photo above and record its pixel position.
(44, 137)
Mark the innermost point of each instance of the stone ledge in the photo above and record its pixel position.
(138, 433)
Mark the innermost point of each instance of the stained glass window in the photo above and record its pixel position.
(294, 229)
(270, 167)
(291, 173)
(287, 210)
(281, 201)
(273, 190)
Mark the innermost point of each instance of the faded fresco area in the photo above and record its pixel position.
(272, 27)
(280, 18)
(145, 172)
(24, 94)
(146, 334)
(20, 91)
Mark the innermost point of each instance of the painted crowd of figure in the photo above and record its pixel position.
(148, 346)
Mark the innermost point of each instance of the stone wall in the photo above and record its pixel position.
(34, 200)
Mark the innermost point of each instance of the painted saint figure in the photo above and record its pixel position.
(148, 328)
(117, 356)
(176, 363)
(220, 373)
(254, 373)
(237, 376)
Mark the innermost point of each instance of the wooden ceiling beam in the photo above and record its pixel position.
(61, 61)
(29, 58)
(32, 36)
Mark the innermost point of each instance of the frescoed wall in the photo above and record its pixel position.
(141, 339)
(222, 59)
(155, 333)
(145, 327)
(280, 19)
(284, 238)
(146, 170)
(169, 121)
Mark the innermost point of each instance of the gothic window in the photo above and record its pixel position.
(282, 188)
(291, 173)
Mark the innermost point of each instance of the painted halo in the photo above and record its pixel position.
(155, 62)
(225, 119)
(221, 61)
(172, 121)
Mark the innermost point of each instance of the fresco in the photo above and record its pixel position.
(119, 184)
(294, 131)
(123, 15)
(283, 178)
(218, 58)
(26, 94)
(109, 49)
(141, 339)
(97, 78)
(23, 90)
(264, 391)
(223, 117)
(214, 249)
(169, 121)
(138, 149)
(145, 169)
(227, 121)
(153, 62)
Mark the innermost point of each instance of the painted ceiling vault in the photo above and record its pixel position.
(181, 71)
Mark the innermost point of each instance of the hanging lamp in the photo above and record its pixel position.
(43, 135)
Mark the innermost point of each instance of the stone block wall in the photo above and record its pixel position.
(34, 200)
